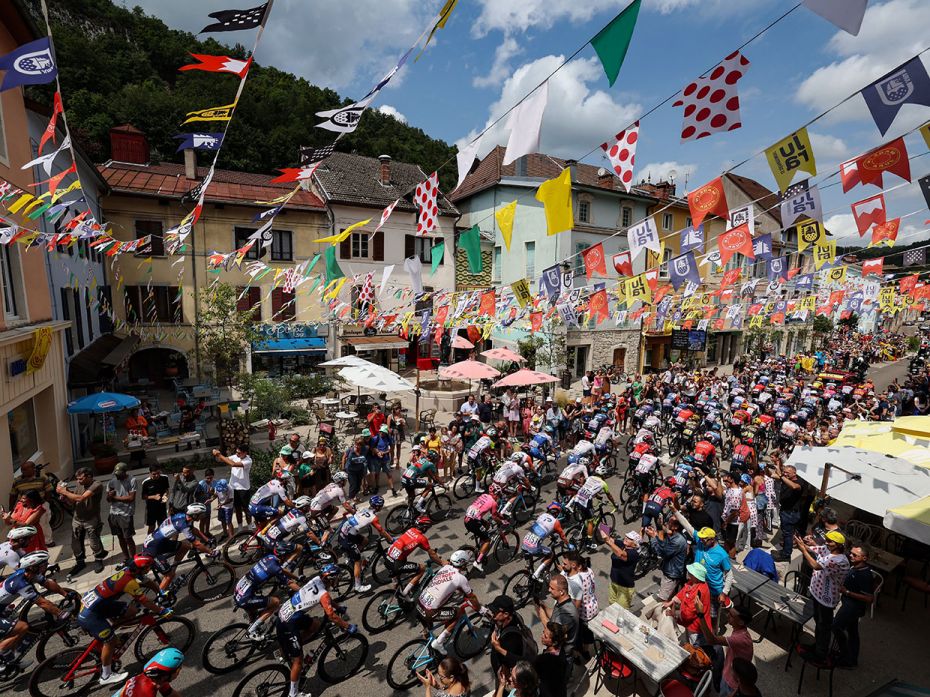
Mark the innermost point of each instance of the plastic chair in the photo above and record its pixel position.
(610, 665)
(859, 531)
(675, 688)
(879, 583)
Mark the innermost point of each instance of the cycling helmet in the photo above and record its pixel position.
(329, 570)
(584, 461)
(748, 439)
(432, 454)
(141, 563)
(282, 548)
(423, 523)
(554, 508)
(340, 477)
(460, 559)
(21, 534)
(491, 432)
(495, 490)
(302, 502)
(34, 559)
(376, 502)
(165, 661)
(221, 486)
(602, 471)
(549, 430)
(196, 510)
(671, 482)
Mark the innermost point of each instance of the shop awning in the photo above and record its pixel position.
(92, 365)
(376, 343)
(122, 351)
(311, 344)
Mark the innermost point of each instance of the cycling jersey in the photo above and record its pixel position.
(704, 451)
(356, 523)
(266, 568)
(308, 597)
(482, 444)
(419, 469)
(143, 686)
(652, 423)
(582, 448)
(683, 416)
(267, 493)
(509, 470)
(293, 522)
(446, 583)
(603, 437)
(643, 435)
(9, 556)
(591, 489)
(647, 463)
(482, 506)
(16, 585)
(545, 525)
(743, 455)
(572, 471)
(524, 460)
(406, 543)
(171, 528)
(789, 428)
(541, 441)
(327, 495)
(683, 472)
(109, 590)
(662, 496)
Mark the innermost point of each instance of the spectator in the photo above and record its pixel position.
(433, 439)
(376, 419)
(86, 524)
(760, 560)
(29, 480)
(470, 407)
(714, 559)
(738, 643)
(379, 459)
(205, 493)
(830, 566)
(28, 511)
(513, 415)
(284, 462)
(397, 425)
(137, 424)
(672, 548)
(683, 606)
(582, 589)
(297, 448)
(522, 681)
(746, 676)
(586, 385)
(563, 610)
(155, 495)
(551, 664)
(697, 515)
(449, 680)
(183, 490)
(485, 410)
(355, 464)
(857, 593)
(322, 462)
(240, 467)
(789, 502)
(121, 493)
(507, 645)
(623, 567)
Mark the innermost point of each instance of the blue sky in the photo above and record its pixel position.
(493, 51)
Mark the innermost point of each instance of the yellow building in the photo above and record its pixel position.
(156, 294)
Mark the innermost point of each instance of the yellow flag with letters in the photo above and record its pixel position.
(824, 253)
(521, 291)
(637, 288)
(886, 297)
(790, 155)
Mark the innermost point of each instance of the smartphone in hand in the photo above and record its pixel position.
(604, 529)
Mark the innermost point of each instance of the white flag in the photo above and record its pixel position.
(385, 214)
(524, 123)
(846, 14)
(263, 235)
(386, 274)
(642, 236)
(47, 160)
(465, 157)
(344, 119)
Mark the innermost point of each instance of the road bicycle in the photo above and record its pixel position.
(505, 544)
(43, 633)
(466, 485)
(230, 648)
(529, 583)
(389, 607)
(73, 672)
(246, 547)
(521, 507)
(339, 656)
(437, 504)
(206, 582)
(601, 518)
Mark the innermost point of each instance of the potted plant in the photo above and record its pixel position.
(171, 365)
(105, 457)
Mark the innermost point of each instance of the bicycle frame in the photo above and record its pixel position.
(141, 622)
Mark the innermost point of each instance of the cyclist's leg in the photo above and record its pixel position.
(13, 636)
(292, 649)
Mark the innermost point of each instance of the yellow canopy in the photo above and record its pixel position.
(916, 426)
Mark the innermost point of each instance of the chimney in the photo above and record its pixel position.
(573, 166)
(190, 163)
(129, 144)
(605, 179)
(385, 177)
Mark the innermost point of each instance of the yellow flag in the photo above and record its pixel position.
(440, 24)
(925, 132)
(505, 221)
(810, 232)
(837, 275)
(336, 239)
(886, 297)
(790, 155)
(521, 291)
(756, 322)
(213, 113)
(337, 286)
(808, 303)
(556, 196)
(637, 288)
(824, 253)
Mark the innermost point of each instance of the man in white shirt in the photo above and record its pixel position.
(469, 408)
(240, 466)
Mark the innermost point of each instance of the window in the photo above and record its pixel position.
(584, 211)
(497, 264)
(153, 304)
(66, 315)
(531, 260)
(626, 216)
(78, 319)
(359, 244)
(241, 237)
(417, 246)
(283, 306)
(156, 248)
(11, 278)
(578, 258)
(22, 426)
(666, 258)
(688, 221)
(667, 221)
(250, 299)
(281, 246)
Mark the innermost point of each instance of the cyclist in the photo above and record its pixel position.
(396, 556)
(546, 525)
(247, 595)
(11, 551)
(572, 478)
(484, 505)
(744, 455)
(102, 610)
(324, 505)
(21, 584)
(582, 503)
(294, 623)
(421, 474)
(654, 504)
(483, 447)
(292, 523)
(166, 541)
(446, 584)
(156, 676)
(540, 444)
(224, 506)
(645, 470)
(352, 538)
(705, 454)
(265, 502)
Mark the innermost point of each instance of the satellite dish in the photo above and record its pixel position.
(601, 172)
(672, 174)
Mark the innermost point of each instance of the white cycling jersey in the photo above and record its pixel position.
(592, 487)
(509, 470)
(479, 447)
(647, 463)
(268, 491)
(357, 522)
(293, 522)
(331, 492)
(447, 582)
(308, 597)
(9, 556)
(573, 471)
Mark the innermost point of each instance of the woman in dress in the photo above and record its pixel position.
(398, 428)
(28, 511)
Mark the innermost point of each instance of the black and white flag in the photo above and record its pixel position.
(801, 200)
(234, 20)
(344, 119)
(310, 155)
(915, 257)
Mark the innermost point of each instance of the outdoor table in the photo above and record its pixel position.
(347, 416)
(188, 439)
(329, 404)
(886, 562)
(647, 650)
(746, 580)
(776, 599)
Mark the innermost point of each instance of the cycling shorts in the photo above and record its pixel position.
(479, 528)
(430, 617)
(97, 622)
(6, 625)
(651, 511)
(261, 512)
(400, 568)
(351, 544)
(584, 511)
(411, 485)
(251, 602)
(289, 632)
(536, 550)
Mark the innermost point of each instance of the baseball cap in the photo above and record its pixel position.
(502, 603)
(286, 450)
(307, 455)
(383, 429)
(706, 533)
(120, 467)
(835, 536)
(746, 479)
(698, 571)
(635, 537)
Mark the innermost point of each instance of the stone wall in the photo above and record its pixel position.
(602, 343)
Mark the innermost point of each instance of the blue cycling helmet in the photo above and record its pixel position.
(221, 486)
(376, 501)
(282, 548)
(165, 661)
(329, 570)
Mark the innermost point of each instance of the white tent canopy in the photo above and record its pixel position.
(377, 379)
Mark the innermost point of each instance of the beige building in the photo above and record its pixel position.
(156, 293)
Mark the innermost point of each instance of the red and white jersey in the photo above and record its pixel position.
(447, 582)
(509, 470)
(406, 543)
(647, 463)
(331, 492)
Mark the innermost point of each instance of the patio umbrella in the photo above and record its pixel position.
(525, 377)
(503, 354)
(349, 361)
(379, 380)
(460, 342)
(102, 402)
(469, 370)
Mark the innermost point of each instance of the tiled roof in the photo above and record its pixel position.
(355, 179)
(491, 170)
(765, 199)
(168, 180)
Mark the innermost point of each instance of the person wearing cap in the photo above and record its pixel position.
(29, 480)
(715, 560)
(672, 548)
(738, 643)
(284, 462)
(830, 567)
(623, 567)
(683, 606)
(380, 448)
(121, 493)
(507, 637)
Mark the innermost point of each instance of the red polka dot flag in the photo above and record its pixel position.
(712, 103)
(622, 154)
(425, 197)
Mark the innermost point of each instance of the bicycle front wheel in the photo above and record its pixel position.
(508, 544)
(212, 581)
(399, 520)
(439, 507)
(382, 612)
(520, 588)
(227, 649)
(472, 636)
(267, 681)
(464, 486)
(411, 657)
(343, 659)
(58, 676)
(56, 642)
(341, 584)
(242, 549)
(171, 632)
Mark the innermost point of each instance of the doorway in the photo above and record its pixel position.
(581, 360)
(620, 358)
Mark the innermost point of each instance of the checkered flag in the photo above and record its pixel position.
(309, 156)
(234, 20)
(915, 257)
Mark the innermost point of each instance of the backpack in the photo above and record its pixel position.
(530, 647)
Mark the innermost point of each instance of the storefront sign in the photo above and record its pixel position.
(42, 343)
(287, 330)
(689, 340)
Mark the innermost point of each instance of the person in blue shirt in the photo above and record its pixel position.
(714, 558)
(379, 459)
(761, 561)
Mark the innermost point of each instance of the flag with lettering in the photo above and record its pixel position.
(810, 232)
(735, 241)
(801, 200)
(708, 200)
(32, 63)
(791, 155)
(644, 235)
(890, 157)
(886, 232)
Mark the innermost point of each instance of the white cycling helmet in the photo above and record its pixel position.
(21, 534)
(303, 502)
(34, 559)
(602, 471)
(196, 510)
(340, 477)
(460, 559)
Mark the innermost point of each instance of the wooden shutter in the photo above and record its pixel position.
(379, 246)
(279, 312)
(255, 302)
(409, 246)
(345, 248)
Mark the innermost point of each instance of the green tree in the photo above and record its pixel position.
(224, 332)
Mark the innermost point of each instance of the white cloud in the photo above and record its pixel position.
(577, 118)
(519, 15)
(660, 171)
(392, 111)
(843, 228)
(505, 51)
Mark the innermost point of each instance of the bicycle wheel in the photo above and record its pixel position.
(523, 509)
(471, 637)
(56, 642)
(464, 486)
(382, 612)
(520, 587)
(341, 585)
(399, 520)
(629, 490)
(171, 632)
(646, 562)
(506, 548)
(411, 657)
(48, 679)
(379, 571)
(608, 520)
(343, 659)
(212, 581)
(632, 510)
(266, 681)
(241, 550)
(439, 507)
(227, 649)
(674, 445)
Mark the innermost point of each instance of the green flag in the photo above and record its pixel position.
(435, 253)
(332, 268)
(470, 241)
(613, 40)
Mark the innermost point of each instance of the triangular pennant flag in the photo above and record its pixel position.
(622, 154)
(613, 41)
(845, 14)
(505, 216)
(790, 155)
(524, 123)
(436, 253)
(556, 196)
(707, 200)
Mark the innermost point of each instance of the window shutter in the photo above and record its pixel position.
(255, 301)
(276, 302)
(242, 301)
(409, 246)
(345, 248)
(379, 246)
